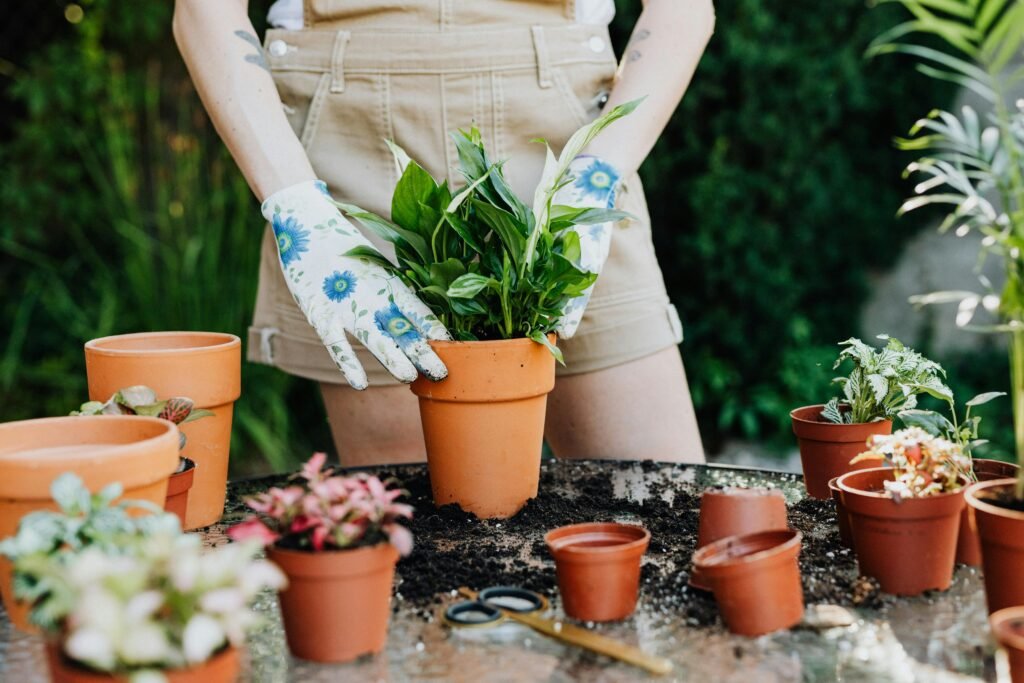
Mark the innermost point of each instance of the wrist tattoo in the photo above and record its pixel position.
(634, 54)
(259, 59)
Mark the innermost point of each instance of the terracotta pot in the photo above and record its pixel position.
(735, 512)
(756, 580)
(139, 452)
(842, 518)
(204, 366)
(908, 546)
(177, 491)
(826, 449)
(337, 603)
(968, 548)
(598, 567)
(1001, 532)
(484, 424)
(222, 668)
(1008, 628)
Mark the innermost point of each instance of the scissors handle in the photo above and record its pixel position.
(581, 637)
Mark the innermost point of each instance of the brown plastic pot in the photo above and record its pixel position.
(735, 512)
(1008, 628)
(204, 366)
(598, 567)
(221, 668)
(177, 491)
(756, 580)
(842, 518)
(484, 424)
(139, 452)
(910, 546)
(826, 449)
(337, 603)
(968, 548)
(1001, 532)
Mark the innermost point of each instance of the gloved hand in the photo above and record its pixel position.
(340, 294)
(595, 184)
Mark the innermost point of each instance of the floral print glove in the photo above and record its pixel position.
(594, 185)
(339, 293)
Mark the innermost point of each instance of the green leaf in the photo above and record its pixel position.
(928, 420)
(507, 228)
(982, 399)
(387, 230)
(471, 284)
(414, 188)
(198, 413)
(542, 338)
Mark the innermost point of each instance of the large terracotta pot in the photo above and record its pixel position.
(826, 449)
(177, 491)
(222, 668)
(139, 452)
(484, 424)
(598, 568)
(337, 603)
(756, 580)
(204, 366)
(968, 548)
(1008, 628)
(1001, 532)
(908, 546)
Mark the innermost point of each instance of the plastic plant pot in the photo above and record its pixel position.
(968, 547)
(826, 448)
(842, 518)
(1001, 532)
(598, 567)
(1008, 629)
(177, 491)
(221, 668)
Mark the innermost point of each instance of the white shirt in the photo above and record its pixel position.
(287, 14)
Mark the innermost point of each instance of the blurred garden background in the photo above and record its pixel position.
(774, 195)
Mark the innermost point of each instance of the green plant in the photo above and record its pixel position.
(487, 265)
(964, 432)
(883, 382)
(925, 465)
(973, 163)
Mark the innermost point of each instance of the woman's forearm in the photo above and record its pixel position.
(659, 61)
(226, 62)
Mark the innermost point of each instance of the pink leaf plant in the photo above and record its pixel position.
(924, 465)
(325, 511)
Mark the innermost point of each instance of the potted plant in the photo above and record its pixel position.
(905, 517)
(1008, 628)
(205, 366)
(881, 383)
(499, 274)
(338, 540)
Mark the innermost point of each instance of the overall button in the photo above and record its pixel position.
(277, 48)
(596, 44)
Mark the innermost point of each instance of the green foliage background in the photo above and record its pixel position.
(773, 194)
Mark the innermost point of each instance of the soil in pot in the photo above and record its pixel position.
(177, 491)
(826, 448)
(484, 424)
(910, 545)
(139, 452)
(1008, 628)
(998, 518)
(842, 518)
(204, 366)
(221, 668)
(337, 603)
(968, 547)
(756, 580)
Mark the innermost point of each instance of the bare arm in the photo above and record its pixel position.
(659, 61)
(227, 65)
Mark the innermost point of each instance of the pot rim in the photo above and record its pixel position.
(743, 492)
(979, 504)
(488, 343)
(190, 465)
(884, 495)
(793, 415)
(224, 341)
(640, 543)
(999, 622)
(325, 563)
(795, 538)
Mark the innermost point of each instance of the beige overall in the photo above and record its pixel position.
(363, 71)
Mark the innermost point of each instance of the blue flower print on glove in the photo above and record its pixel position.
(394, 324)
(292, 239)
(598, 180)
(339, 286)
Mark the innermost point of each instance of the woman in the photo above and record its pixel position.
(317, 101)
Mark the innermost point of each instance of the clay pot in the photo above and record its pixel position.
(908, 546)
(826, 449)
(842, 518)
(735, 512)
(177, 491)
(756, 580)
(338, 602)
(139, 452)
(484, 424)
(1008, 628)
(222, 668)
(968, 548)
(1001, 532)
(598, 567)
(204, 366)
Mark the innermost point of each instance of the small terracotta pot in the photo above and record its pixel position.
(222, 668)
(204, 366)
(177, 491)
(1001, 532)
(756, 580)
(826, 449)
(139, 452)
(842, 518)
(598, 567)
(968, 548)
(337, 603)
(910, 546)
(484, 424)
(734, 512)
(1008, 628)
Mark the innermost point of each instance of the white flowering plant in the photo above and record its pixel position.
(925, 465)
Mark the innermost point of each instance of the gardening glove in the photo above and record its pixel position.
(339, 293)
(594, 185)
